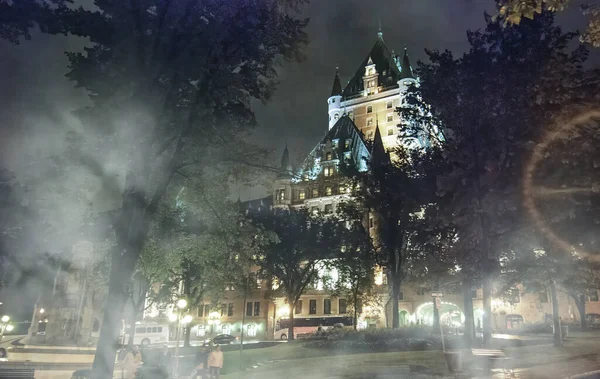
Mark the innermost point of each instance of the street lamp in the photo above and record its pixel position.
(182, 305)
(4, 326)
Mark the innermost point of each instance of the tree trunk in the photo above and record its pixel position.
(131, 229)
(104, 359)
(487, 309)
(469, 334)
(555, 315)
(395, 283)
(291, 327)
(131, 322)
(580, 303)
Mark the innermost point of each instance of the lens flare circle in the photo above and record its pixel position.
(560, 128)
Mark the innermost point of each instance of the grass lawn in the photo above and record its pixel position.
(300, 355)
(293, 360)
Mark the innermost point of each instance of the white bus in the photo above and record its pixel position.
(146, 334)
(304, 326)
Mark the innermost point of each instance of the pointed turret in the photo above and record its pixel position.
(407, 72)
(286, 167)
(334, 103)
(378, 150)
(337, 85)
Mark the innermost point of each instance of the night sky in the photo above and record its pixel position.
(35, 98)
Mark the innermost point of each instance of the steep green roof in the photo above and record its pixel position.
(389, 74)
(343, 130)
(406, 68)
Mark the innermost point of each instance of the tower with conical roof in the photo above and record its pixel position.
(373, 93)
(334, 101)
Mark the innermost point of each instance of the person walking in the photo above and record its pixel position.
(215, 362)
(201, 370)
(132, 361)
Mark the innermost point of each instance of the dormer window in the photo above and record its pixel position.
(346, 144)
(302, 195)
(328, 171)
(369, 109)
(328, 156)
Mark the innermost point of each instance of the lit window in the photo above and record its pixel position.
(328, 156)
(390, 131)
(372, 83)
(328, 208)
(251, 331)
(328, 191)
(388, 105)
(347, 144)
(390, 118)
(315, 193)
(369, 121)
(342, 190)
(302, 195)
(281, 194)
(334, 143)
(369, 109)
(347, 155)
(328, 171)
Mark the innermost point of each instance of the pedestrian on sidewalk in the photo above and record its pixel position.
(215, 362)
(201, 370)
(133, 360)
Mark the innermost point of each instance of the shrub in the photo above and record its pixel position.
(375, 340)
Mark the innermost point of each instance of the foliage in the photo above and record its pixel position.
(304, 243)
(171, 84)
(355, 262)
(491, 103)
(512, 11)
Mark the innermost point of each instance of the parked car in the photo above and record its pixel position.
(222, 339)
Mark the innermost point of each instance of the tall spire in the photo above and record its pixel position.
(380, 32)
(286, 167)
(337, 85)
(378, 150)
(406, 69)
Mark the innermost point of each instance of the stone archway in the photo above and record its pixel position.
(450, 314)
(404, 317)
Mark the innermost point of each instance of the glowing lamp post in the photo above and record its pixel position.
(181, 305)
(5, 326)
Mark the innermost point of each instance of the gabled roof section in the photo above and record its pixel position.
(343, 130)
(384, 63)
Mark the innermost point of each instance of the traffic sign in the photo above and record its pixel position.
(437, 294)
